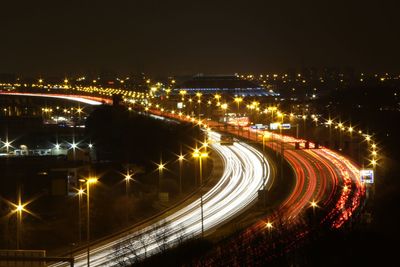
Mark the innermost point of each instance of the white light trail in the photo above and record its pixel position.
(72, 98)
(246, 171)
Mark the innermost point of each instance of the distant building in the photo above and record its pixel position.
(223, 84)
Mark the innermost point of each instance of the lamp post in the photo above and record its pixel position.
(181, 158)
(264, 136)
(314, 205)
(269, 226)
(160, 168)
(329, 122)
(200, 155)
(128, 178)
(89, 181)
(224, 108)
(7, 145)
(198, 94)
(238, 100)
(80, 194)
(18, 209)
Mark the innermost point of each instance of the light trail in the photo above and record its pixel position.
(83, 99)
(320, 175)
(246, 171)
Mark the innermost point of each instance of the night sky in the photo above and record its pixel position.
(186, 37)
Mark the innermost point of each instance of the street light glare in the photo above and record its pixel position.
(313, 204)
(92, 180)
(19, 208)
(161, 166)
(204, 155)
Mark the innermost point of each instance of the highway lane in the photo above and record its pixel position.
(82, 99)
(245, 172)
(322, 176)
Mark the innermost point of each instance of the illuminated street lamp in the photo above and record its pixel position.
(330, 122)
(238, 100)
(224, 108)
(200, 155)
(264, 136)
(89, 181)
(127, 178)
(374, 163)
(74, 145)
(7, 145)
(269, 226)
(181, 158)
(314, 205)
(80, 194)
(183, 93)
(160, 168)
(19, 208)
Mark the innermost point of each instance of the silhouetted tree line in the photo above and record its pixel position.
(134, 251)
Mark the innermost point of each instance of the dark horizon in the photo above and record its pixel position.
(177, 38)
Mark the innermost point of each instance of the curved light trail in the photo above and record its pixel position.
(246, 171)
(321, 175)
(83, 99)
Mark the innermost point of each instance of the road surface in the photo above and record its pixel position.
(245, 172)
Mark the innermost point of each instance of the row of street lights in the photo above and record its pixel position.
(199, 156)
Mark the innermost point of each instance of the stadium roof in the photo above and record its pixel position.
(230, 84)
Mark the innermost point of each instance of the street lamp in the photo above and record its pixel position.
(89, 181)
(160, 168)
(329, 122)
(18, 209)
(7, 145)
(127, 179)
(181, 158)
(80, 194)
(224, 108)
(183, 93)
(314, 205)
(264, 136)
(200, 155)
(238, 100)
(269, 226)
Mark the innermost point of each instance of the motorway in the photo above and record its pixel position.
(322, 176)
(245, 172)
(82, 99)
